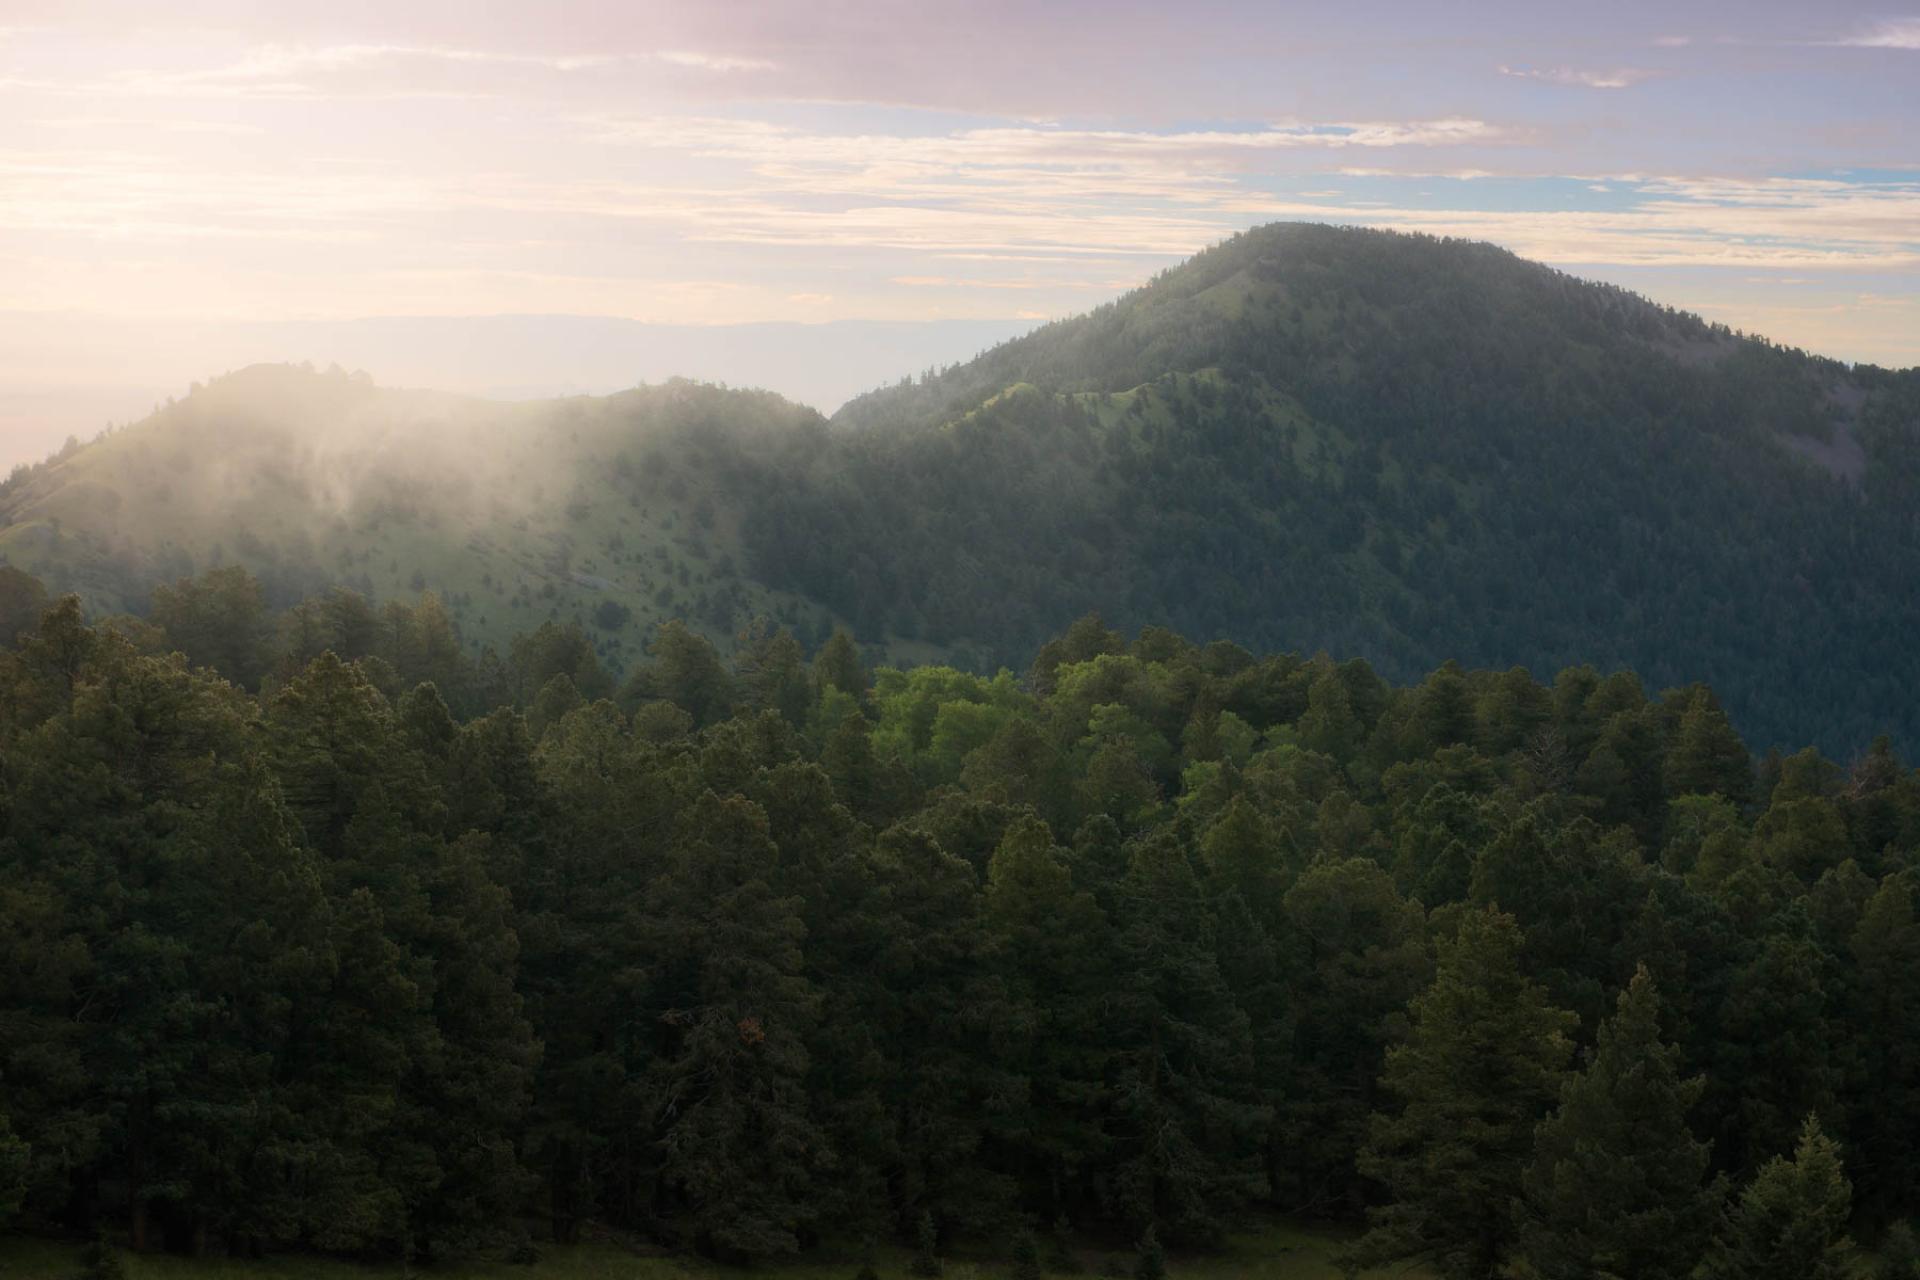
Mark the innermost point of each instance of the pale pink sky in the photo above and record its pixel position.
(205, 165)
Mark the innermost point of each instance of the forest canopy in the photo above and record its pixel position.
(318, 933)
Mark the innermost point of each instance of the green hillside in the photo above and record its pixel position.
(1312, 437)
(605, 511)
(1305, 438)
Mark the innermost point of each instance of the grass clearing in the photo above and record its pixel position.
(1276, 1250)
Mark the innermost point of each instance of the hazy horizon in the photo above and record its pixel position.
(50, 390)
(220, 169)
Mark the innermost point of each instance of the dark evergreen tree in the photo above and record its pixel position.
(1616, 1185)
(1482, 1063)
(1150, 1259)
(1791, 1220)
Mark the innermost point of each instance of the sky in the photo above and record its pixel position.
(620, 186)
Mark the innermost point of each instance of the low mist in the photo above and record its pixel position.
(72, 374)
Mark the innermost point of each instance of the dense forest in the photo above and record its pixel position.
(1394, 447)
(319, 933)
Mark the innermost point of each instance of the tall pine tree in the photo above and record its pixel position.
(1615, 1187)
(1791, 1221)
(1481, 1066)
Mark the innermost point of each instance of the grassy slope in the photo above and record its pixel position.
(1276, 1251)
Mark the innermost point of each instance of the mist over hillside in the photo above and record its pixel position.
(1306, 438)
(67, 374)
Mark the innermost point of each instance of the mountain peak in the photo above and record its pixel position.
(1282, 298)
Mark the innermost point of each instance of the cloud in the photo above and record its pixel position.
(713, 61)
(302, 71)
(1624, 78)
(228, 128)
(975, 282)
(1672, 42)
(1176, 165)
(1773, 224)
(1896, 33)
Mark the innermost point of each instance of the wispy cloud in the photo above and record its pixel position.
(714, 61)
(135, 124)
(362, 69)
(1895, 33)
(1773, 224)
(777, 150)
(868, 159)
(1623, 78)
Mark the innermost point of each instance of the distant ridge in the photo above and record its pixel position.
(1305, 438)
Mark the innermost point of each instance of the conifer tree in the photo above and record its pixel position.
(732, 1008)
(1026, 1257)
(1706, 756)
(1062, 1260)
(1480, 1067)
(1359, 954)
(838, 666)
(1186, 1124)
(1791, 1221)
(926, 1247)
(15, 1158)
(1150, 1259)
(1615, 1187)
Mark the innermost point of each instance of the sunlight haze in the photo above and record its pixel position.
(225, 167)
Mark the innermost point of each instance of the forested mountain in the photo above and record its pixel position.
(1407, 448)
(1305, 438)
(387, 952)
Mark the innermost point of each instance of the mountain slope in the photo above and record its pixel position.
(1406, 448)
(1307, 437)
(600, 510)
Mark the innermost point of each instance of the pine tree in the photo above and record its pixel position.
(1615, 1184)
(926, 1247)
(732, 1009)
(1899, 1254)
(99, 1260)
(1026, 1257)
(1186, 1126)
(1150, 1260)
(1329, 725)
(1884, 1022)
(1705, 755)
(1359, 954)
(1791, 1221)
(769, 668)
(14, 1160)
(686, 671)
(1481, 1065)
(838, 666)
(1050, 945)
(1062, 1260)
